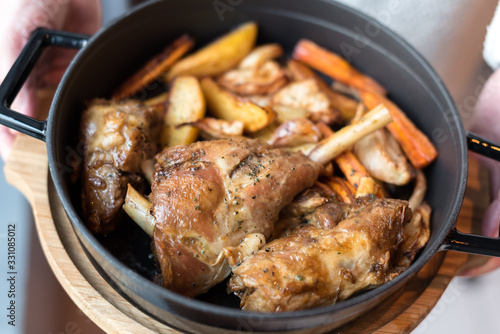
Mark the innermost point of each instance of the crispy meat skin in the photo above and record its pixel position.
(209, 195)
(117, 137)
(314, 266)
(312, 206)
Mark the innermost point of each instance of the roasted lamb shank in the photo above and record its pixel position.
(210, 195)
(116, 138)
(314, 264)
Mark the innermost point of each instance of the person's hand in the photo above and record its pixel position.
(17, 21)
(486, 123)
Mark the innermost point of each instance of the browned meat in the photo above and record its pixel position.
(210, 195)
(117, 137)
(314, 266)
(314, 205)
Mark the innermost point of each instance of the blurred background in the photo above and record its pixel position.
(448, 33)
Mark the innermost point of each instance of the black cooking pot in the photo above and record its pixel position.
(114, 53)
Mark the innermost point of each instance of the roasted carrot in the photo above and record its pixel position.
(334, 66)
(155, 67)
(418, 148)
(342, 189)
(352, 168)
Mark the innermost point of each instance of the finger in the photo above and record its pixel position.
(491, 219)
(84, 16)
(7, 140)
(485, 117)
(492, 264)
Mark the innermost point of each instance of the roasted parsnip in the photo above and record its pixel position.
(343, 139)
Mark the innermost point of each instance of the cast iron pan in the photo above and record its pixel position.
(114, 53)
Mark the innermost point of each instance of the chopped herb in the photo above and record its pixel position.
(178, 253)
(197, 207)
(300, 278)
(266, 270)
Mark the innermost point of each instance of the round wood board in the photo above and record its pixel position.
(27, 169)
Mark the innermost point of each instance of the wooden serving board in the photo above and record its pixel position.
(27, 169)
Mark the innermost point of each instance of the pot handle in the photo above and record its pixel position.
(470, 243)
(19, 72)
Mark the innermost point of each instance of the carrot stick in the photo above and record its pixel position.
(418, 148)
(343, 189)
(157, 66)
(334, 66)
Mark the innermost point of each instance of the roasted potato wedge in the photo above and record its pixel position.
(219, 56)
(186, 104)
(229, 107)
(261, 55)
